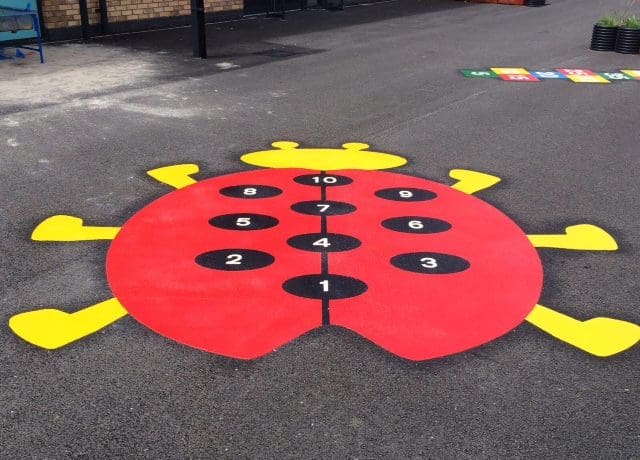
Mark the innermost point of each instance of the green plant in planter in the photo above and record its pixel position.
(605, 32)
(631, 22)
(610, 20)
(628, 36)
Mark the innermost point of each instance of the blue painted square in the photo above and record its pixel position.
(549, 75)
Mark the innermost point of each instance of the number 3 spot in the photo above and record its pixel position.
(431, 263)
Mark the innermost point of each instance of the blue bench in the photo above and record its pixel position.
(13, 20)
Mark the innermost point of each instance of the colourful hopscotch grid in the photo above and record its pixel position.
(522, 75)
(514, 74)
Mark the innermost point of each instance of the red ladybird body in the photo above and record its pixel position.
(241, 264)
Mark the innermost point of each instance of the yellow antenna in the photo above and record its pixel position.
(353, 155)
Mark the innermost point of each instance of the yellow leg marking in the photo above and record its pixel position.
(69, 228)
(599, 336)
(472, 181)
(51, 329)
(177, 176)
(583, 237)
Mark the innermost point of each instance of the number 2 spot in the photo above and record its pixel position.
(235, 259)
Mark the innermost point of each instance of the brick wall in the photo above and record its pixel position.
(66, 13)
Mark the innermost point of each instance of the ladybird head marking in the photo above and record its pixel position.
(352, 155)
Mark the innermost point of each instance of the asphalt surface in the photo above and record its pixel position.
(385, 74)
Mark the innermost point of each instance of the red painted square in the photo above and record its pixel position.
(519, 78)
(577, 72)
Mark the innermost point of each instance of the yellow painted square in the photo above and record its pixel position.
(632, 73)
(510, 71)
(587, 79)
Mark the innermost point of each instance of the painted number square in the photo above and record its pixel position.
(519, 78)
(478, 73)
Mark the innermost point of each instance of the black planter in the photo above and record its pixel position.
(627, 41)
(534, 2)
(603, 38)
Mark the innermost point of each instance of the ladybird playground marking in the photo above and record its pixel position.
(521, 75)
(241, 264)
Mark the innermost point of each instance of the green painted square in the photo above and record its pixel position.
(615, 76)
(478, 73)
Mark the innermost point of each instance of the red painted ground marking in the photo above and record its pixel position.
(245, 314)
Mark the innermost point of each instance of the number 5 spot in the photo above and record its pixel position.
(244, 222)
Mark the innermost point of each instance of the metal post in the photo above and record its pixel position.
(84, 19)
(104, 16)
(199, 39)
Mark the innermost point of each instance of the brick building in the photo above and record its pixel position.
(61, 19)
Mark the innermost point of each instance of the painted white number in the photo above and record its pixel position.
(416, 224)
(405, 194)
(616, 76)
(325, 179)
(233, 259)
(323, 207)
(243, 221)
(250, 191)
(325, 285)
(324, 242)
(429, 262)
(548, 75)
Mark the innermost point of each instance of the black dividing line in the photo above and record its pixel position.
(324, 255)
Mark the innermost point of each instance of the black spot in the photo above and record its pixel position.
(244, 222)
(235, 259)
(416, 224)
(250, 191)
(323, 208)
(324, 242)
(430, 263)
(405, 194)
(319, 180)
(324, 286)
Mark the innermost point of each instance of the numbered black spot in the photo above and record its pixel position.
(416, 224)
(324, 286)
(323, 208)
(431, 263)
(406, 194)
(327, 180)
(251, 191)
(324, 242)
(235, 259)
(244, 222)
